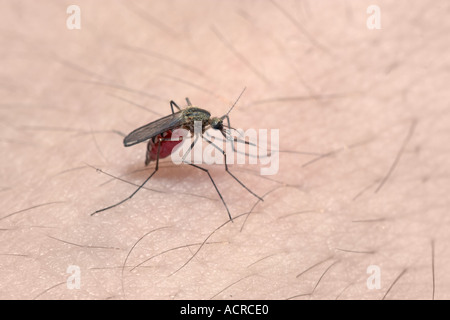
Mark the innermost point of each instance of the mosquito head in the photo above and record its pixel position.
(216, 123)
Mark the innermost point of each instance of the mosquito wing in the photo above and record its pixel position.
(154, 128)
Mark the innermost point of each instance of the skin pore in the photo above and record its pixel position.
(363, 177)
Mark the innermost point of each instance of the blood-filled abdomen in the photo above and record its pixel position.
(165, 149)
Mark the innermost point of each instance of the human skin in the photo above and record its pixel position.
(363, 165)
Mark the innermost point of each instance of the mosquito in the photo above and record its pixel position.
(160, 144)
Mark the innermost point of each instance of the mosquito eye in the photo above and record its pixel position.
(216, 124)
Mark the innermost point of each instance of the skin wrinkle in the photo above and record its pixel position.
(312, 69)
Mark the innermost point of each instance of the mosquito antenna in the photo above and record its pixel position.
(235, 102)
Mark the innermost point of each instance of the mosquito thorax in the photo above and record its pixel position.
(193, 114)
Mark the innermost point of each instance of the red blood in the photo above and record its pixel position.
(165, 149)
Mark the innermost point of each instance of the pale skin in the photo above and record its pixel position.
(363, 179)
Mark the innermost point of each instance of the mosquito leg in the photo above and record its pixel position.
(237, 140)
(190, 148)
(229, 128)
(215, 186)
(188, 102)
(229, 125)
(228, 171)
(139, 188)
(234, 139)
(228, 120)
(209, 175)
(172, 104)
